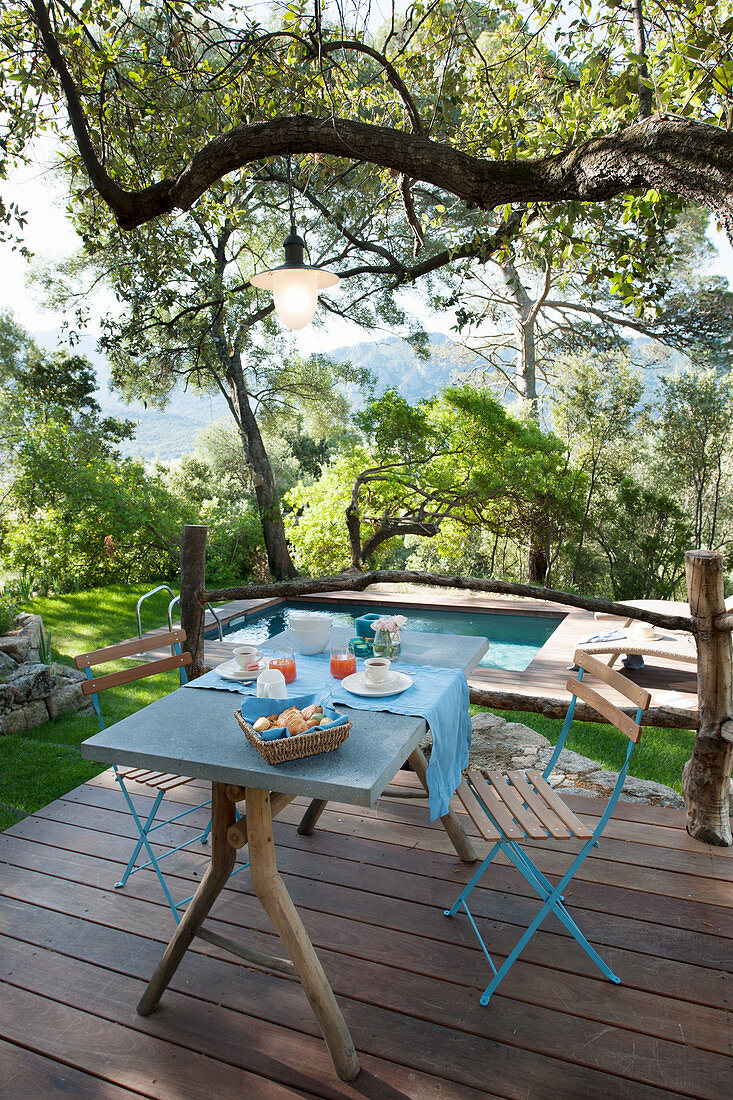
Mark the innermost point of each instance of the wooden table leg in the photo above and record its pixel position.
(310, 817)
(278, 905)
(450, 822)
(217, 873)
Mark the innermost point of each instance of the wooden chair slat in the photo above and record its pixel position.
(176, 781)
(550, 820)
(151, 779)
(138, 672)
(530, 822)
(552, 798)
(132, 773)
(128, 649)
(639, 696)
(610, 712)
(476, 813)
(496, 807)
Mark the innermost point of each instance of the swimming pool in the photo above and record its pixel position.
(514, 640)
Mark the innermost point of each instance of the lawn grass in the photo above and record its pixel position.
(43, 764)
(659, 755)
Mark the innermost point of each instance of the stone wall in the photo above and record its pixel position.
(31, 692)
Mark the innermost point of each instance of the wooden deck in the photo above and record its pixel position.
(371, 887)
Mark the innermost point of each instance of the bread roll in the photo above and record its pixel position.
(261, 724)
(311, 711)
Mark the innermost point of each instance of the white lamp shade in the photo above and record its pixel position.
(295, 292)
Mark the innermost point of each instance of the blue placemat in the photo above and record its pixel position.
(439, 695)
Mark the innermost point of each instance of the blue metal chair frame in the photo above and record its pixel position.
(551, 896)
(147, 827)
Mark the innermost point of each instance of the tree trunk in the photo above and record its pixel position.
(536, 560)
(268, 504)
(706, 775)
(193, 580)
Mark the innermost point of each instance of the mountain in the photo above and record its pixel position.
(393, 362)
(171, 433)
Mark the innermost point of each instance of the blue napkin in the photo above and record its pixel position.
(439, 695)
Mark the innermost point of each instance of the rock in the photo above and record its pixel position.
(636, 790)
(496, 743)
(66, 672)
(6, 697)
(24, 718)
(31, 681)
(65, 699)
(7, 665)
(15, 646)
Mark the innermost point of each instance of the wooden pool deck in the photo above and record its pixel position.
(371, 886)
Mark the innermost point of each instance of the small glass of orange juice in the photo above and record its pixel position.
(343, 660)
(284, 660)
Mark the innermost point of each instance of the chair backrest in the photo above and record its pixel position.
(94, 684)
(640, 697)
(613, 714)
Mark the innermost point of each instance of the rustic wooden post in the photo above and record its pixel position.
(706, 776)
(193, 581)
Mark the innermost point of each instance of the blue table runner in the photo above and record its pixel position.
(439, 695)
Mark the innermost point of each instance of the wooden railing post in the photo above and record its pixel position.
(193, 580)
(706, 775)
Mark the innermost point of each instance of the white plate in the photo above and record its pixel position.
(230, 670)
(357, 685)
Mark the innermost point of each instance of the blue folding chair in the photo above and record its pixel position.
(521, 805)
(161, 782)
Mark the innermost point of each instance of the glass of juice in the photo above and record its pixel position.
(285, 661)
(343, 660)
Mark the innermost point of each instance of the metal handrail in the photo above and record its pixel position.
(177, 599)
(160, 588)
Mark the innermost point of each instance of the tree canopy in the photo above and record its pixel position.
(502, 105)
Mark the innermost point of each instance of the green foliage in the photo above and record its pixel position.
(84, 515)
(8, 614)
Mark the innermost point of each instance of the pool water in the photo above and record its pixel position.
(514, 640)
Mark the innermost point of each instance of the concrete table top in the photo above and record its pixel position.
(193, 732)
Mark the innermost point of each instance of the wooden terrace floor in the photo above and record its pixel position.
(371, 887)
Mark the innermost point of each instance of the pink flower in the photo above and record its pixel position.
(390, 623)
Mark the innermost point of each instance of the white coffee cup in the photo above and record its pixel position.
(247, 657)
(271, 684)
(376, 669)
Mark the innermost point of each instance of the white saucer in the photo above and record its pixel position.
(357, 685)
(230, 670)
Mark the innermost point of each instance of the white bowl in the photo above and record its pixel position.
(303, 622)
(309, 642)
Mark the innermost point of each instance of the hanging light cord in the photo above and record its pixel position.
(290, 197)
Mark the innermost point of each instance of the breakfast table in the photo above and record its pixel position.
(193, 731)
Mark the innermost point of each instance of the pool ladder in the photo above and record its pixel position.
(174, 600)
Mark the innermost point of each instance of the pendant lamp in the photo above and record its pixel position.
(294, 285)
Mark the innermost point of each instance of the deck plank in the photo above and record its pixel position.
(370, 887)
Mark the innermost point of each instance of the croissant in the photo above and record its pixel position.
(296, 724)
(311, 711)
(284, 715)
(273, 719)
(313, 722)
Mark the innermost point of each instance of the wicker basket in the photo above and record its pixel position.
(293, 748)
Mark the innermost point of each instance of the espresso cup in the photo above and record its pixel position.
(248, 657)
(376, 669)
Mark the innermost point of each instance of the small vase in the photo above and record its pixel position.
(387, 644)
